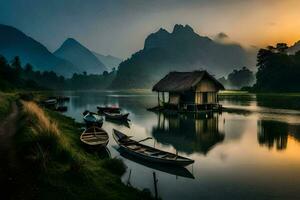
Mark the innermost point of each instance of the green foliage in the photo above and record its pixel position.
(115, 166)
(5, 104)
(277, 71)
(238, 79)
(14, 77)
(241, 78)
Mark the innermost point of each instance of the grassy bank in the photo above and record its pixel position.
(64, 169)
(5, 103)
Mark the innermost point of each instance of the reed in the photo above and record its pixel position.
(43, 137)
(43, 124)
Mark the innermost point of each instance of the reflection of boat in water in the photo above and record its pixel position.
(116, 116)
(119, 122)
(174, 170)
(108, 109)
(189, 133)
(148, 153)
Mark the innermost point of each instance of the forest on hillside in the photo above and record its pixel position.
(278, 71)
(15, 76)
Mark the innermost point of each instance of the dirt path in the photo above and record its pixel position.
(13, 176)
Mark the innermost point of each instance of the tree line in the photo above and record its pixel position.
(278, 71)
(15, 76)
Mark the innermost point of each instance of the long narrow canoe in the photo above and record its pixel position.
(116, 116)
(170, 169)
(148, 153)
(95, 136)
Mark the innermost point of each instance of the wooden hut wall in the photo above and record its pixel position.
(211, 98)
(207, 85)
(174, 98)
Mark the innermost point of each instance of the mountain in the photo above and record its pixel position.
(180, 50)
(74, 52)
(109, 61)
(294, 48)
(15, 43)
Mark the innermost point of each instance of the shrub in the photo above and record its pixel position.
(115, 166)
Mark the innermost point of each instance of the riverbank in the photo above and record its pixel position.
(56, 164)
(5, 103)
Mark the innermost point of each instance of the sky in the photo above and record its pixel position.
(119, 27)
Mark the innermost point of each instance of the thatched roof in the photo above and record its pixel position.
(183, 81)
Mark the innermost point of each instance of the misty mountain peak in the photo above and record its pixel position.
(80, 56)
(71, 41)
(178, 28)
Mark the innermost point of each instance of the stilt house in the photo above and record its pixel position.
(188, 91)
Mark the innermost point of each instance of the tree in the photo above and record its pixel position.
(241, 78)
(281, 47)
(277, 71)
(105, 73)
(28, 68)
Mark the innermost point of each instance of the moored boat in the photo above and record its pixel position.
(116, 116)
(95, 136)
(108, 109)
(61, 108)
(173, 170)
(93, 119)
(148, 153)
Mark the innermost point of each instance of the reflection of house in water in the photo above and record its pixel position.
(189, 133)
(273, 133)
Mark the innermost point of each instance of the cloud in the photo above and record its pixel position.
(222, 36)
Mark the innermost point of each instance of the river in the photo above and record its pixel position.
(250, 152)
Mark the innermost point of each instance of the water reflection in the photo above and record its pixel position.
(189, 133)
(274, 134)
(229, 163)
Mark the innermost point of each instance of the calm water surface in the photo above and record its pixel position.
(251, 152)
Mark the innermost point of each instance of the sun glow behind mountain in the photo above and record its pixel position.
(120, 27)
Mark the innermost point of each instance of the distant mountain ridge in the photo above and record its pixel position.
(294, 48)
(180, 50)
(109, 61)
(81, 57)
(15, 43)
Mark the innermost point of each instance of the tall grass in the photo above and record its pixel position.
(43, 125)
(5, 104)
(42, 136)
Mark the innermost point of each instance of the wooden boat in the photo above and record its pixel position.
(61, 108)
(95, 136)
(108, 109)
(87, 112)
(148, 153)
(49, 102)
(173, 170)
(93, 119)
(116, 116)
